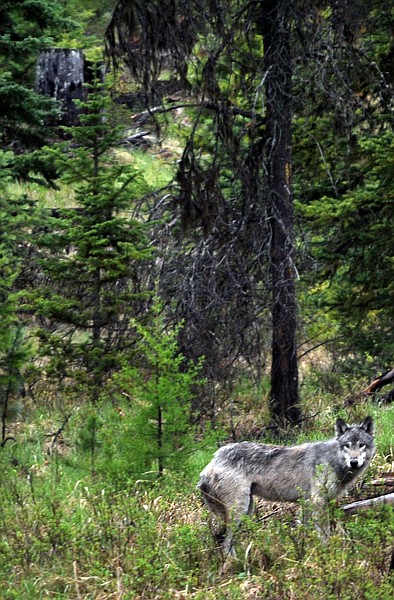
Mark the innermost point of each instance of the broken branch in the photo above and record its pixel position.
(377, 384)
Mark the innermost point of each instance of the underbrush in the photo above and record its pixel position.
(70, 531)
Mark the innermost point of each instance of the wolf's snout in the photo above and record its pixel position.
(354, 463)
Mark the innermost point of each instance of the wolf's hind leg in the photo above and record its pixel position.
(218, 522)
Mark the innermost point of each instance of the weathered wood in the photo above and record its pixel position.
(377, 384)
(385, 480)
(355, 507)
(60, 74)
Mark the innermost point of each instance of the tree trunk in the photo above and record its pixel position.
(274, 21)
(97, 298)
(160, 440)
(97, 369)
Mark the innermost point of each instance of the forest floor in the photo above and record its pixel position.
(72, 527)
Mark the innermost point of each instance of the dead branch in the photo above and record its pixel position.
(377, 384)
(138, 138)
(385, 480)
(372, 388)
(55, 435)
(355, 507)
(334, 339)
(141, 118)
(7, 439)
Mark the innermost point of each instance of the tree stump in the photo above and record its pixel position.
(61, 74)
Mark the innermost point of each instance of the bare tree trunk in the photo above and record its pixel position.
(278, 85)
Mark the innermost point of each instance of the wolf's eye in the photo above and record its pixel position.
(361, 446)
(346, 446)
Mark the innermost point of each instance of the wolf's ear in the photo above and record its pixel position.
(341, 427)
(368, 425)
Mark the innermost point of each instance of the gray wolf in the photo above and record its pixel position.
(317, 472)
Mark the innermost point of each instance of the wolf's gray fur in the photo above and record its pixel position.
(319, 471)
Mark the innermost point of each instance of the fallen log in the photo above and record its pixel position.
(354, 507)
(385, 480)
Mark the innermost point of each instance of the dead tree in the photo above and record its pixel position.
(60, 75)
(354, 507)
(274, 24)
(373, 387)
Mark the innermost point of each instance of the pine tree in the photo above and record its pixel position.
(243, 69)
(90, 255)
(16, 216)
(343, 172)
(352, 245)
(234, 177)
(158, 434)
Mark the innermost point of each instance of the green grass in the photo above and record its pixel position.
(157, 172)
(44, 196)
(70, 531)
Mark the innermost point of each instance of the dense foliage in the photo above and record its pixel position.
(66, 534)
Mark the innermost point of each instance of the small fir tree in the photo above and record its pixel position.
(157, 433)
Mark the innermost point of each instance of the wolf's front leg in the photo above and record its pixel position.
(321, 519)
(324, 489)
(318, 512)
(243, 506)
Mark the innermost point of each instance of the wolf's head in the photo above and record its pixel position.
(356, 442)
